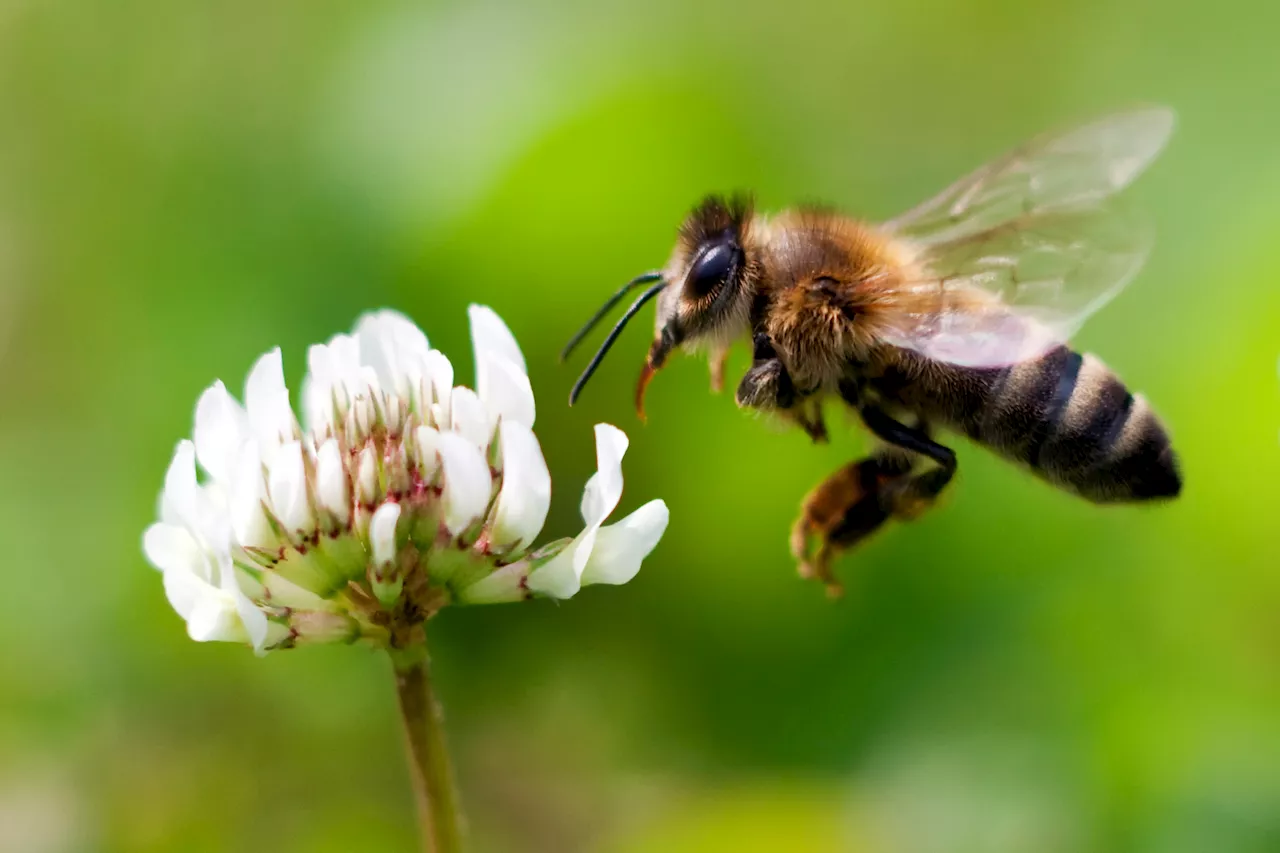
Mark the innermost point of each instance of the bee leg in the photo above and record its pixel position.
(843, 510)
(908, 497)
(767, 385)
(809, 416)
(855, 501)
(718, 359)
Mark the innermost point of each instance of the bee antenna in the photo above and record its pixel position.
(644, 278)
(613, 335)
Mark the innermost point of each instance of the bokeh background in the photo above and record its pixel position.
(183, 186)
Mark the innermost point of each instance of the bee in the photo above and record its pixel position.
(953, 316)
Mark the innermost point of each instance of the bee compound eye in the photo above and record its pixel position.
(712, 267)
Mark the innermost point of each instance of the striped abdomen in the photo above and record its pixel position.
(1064, 415)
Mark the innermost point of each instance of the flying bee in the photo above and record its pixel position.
(953, 316)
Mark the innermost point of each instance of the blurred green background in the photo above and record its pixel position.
(183, 186)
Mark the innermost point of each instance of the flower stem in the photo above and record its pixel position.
(434, 788)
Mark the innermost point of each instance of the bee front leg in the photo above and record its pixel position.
(768, 386)
(809, 417)
(719, 358)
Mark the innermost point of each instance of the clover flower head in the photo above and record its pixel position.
(400, 493)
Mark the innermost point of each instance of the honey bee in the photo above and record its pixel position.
(953, 316)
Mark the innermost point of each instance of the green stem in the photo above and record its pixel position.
(439, 816)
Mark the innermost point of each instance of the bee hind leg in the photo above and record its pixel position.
(908, 497)
(843, 510)
(857, 500)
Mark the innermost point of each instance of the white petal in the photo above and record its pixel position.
(172, 549)
(317, 392)
(331, 481)
(490, 334)
(526, 488)
(267, 401)
(179, 500)
(367, 489)
(396, 413)
(382, 533)
(213, 620)
(621, 547)
(394, 347)
(557, 578)
(561, 577)
(467, 482)
(440, 375)
(604, 489)
(185, 590)
(408, 337)
(504, 585)
(426, 452)
(210, 613)
(320, 364)
(287, 486)
(322, 382)
(334, 377)
(501, 377)
(245, 501)
(376, 348)
(363, 415)
(315, 416)
(504, 389)
(470, 418)
(253, 619)
(344, 357)
(221, 427)
(201, 509)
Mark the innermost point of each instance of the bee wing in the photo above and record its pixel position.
(1019, 254)
(1011, 292)
(1069, 169)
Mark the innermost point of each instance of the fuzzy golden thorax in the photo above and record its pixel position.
(828, 288)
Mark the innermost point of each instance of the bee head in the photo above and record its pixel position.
(712, 278)
(704, 293)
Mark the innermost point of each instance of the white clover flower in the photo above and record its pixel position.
(404, 493)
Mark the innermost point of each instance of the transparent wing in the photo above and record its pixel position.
(1070, 169)
(1010, 293)
(1016, 256)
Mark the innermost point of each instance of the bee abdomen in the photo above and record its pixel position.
(1070, 419)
